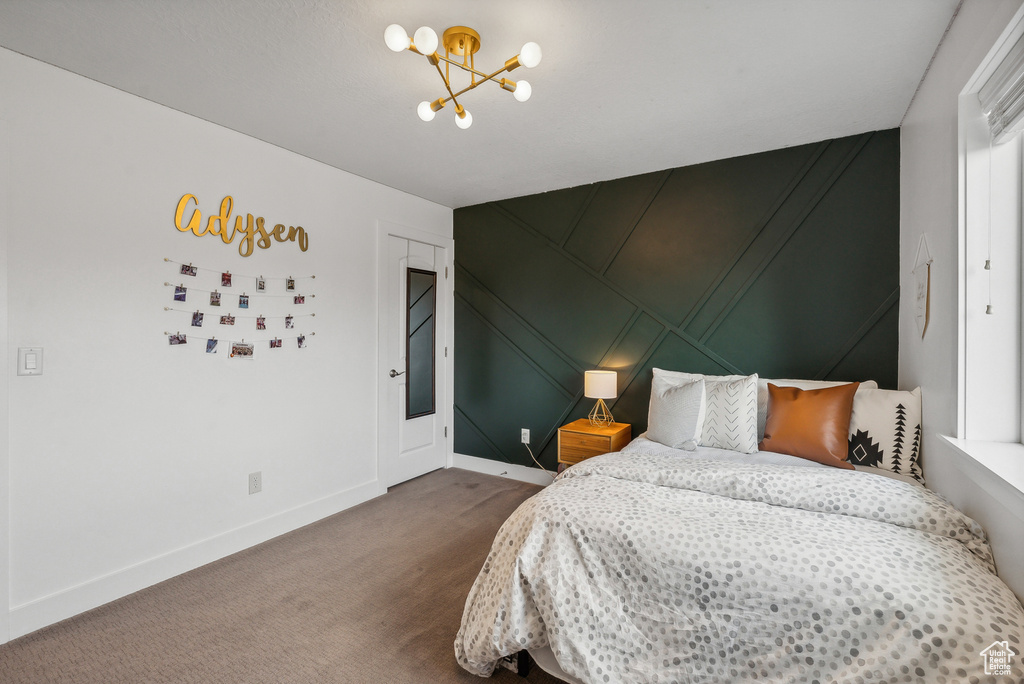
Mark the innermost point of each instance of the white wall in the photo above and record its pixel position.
(128, 457)
(930, 205)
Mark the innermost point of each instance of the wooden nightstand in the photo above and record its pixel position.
(579, 440)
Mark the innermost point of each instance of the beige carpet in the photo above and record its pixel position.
(372, 594)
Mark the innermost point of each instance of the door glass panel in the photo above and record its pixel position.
(419, 344)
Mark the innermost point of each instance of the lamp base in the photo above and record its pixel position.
(600, 416)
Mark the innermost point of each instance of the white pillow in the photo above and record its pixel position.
(730, 420)
(762, 394)
(885, 431)
(679, 377)
(676, 413)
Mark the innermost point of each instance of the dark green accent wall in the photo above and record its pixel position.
(784, 263)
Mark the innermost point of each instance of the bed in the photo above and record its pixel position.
(694, 563)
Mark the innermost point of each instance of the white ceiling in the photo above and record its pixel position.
(624, 87)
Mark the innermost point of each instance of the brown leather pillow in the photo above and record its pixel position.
(811, 424)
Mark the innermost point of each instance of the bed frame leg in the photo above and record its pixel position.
(525, 663)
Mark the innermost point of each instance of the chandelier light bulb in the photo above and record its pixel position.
(530, 55)
(425, 111)
(425, 40)
(523, 91)
(465, 121)
(396, 38)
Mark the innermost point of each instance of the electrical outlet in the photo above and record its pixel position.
(256, 482)
(525, 435)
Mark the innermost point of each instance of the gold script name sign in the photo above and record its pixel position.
(254, 233)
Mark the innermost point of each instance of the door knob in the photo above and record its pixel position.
(395, 373)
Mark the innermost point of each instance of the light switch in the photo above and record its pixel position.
(30, 361)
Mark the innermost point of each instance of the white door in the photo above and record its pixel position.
(412, 433)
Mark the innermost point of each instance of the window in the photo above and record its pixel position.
(991, 116)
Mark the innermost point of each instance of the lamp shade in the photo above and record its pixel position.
(598, 384)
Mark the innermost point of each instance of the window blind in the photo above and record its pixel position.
(1002, 96)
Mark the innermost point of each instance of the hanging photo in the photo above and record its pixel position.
(261, 284)
(300, 299)
(241, 350)
(197, 320)
(215, 298)
(275, 343)
(179, 293)
(211, 346)
(227, 320)
(302, 341)
(225, 279)
(290, 284)
(189, 270)
(177, 338)
(243, 301)
(289, 322)
(261, 323)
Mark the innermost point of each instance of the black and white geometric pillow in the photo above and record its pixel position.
(885, 431)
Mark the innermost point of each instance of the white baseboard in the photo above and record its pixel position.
(501, 469)
(47, 610)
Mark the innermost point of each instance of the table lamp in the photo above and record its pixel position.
(600, 385)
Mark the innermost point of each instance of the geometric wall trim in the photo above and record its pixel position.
(783, 263)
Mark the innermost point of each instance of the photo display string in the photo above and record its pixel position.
(190, 270)
(181, 294)
(238, 349)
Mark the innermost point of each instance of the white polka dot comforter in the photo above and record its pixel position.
(646, 567)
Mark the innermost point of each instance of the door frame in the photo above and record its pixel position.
(446, 298)
(5, 394)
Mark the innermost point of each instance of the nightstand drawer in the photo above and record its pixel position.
(589, 443)
(574, 453)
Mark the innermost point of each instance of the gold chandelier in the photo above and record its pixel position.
(460, 41)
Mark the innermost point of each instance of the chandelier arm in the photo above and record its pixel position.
(446, 84)
(492, 77)
(464, 90)
(467, 89)
(486, 77)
